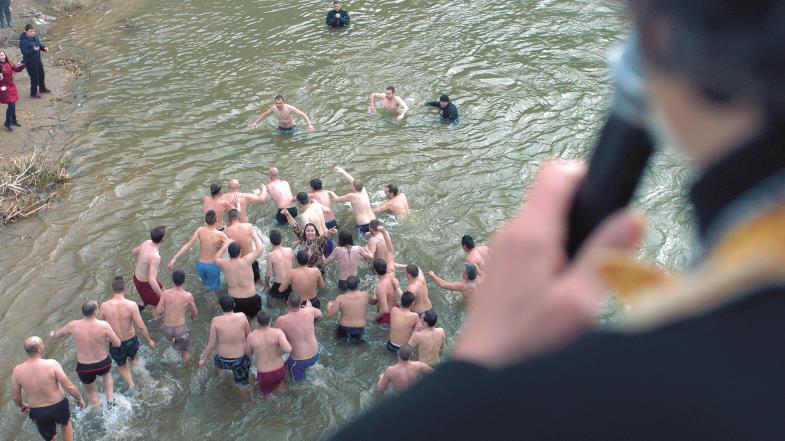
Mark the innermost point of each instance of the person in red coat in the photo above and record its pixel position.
(8, 92)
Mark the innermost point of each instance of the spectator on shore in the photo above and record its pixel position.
(8, 93)
(31, 47)
(5, 13)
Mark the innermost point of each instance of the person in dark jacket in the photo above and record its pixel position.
(31, 47)
(5, 13)
(447, 110)
(337, 17)
(700, 358)
(8, 92)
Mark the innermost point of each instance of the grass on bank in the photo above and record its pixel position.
(28, 184)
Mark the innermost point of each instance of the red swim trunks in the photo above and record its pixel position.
(146, 292)
(383, 319)
(269, 381)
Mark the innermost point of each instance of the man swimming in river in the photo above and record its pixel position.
(353, 307)
(148, 258)
(173, 305)
(281, 193)
(391, 101)
(361, 205)
(284, 113)
(210, 240)
(396, 202)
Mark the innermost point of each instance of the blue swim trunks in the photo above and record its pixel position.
(210, 273)
(296, 368)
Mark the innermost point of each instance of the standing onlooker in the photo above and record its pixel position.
(8, 92)
(336, 17)
(31, 47)
(5, 13)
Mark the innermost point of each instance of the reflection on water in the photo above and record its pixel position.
(172, 89)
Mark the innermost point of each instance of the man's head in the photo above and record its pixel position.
(89, 307)
(467, 243)
(302, 257)
(412, 271)
(407, 298)
(275, 237)
(380, 266)
(302, 199)
(210, 217)
(227, 303)
(429, 317)
(34, 346)
(279, 101)
(263, 318)
(391, 190)
(444, 100)
(273, 173)
(234, 185)
(316, 184)
(233, 215)
(374, 225)
(157, 234)
(30, 30)
(470, 272)
(215, 189)
(352, 282)
(405, 353)
(178, 277)
(389, 92)
(345, 238)
(118, 285)
(357, 185)
(295, 301)
(234, 250)
(337, 6)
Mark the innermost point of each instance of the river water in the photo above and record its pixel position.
(164, 111)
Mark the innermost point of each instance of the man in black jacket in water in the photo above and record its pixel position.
(702, 359)
(447, 110)
(337, 17)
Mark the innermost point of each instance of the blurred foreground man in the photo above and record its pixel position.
(699, 358)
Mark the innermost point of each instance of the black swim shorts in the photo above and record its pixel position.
(87, 372)
(127, 349)
(46, 418)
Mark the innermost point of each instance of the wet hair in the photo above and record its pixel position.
(227, 303)
(467, 241)
(275, 237)
(33, 347)
(118, 284)
(392, 188)
(471, 271)
(374, 224)
(357, 185)
(89, 307)
(210, 217)
(215, 188)
(405, 352)
(233, 214)
(412, 270)
(178, 277)
(302, 198)
(263, 318)
(302, 257)
(278, 97)
(345, 238)
(380, 266)
(234, 250)
(352, 282)
(295, 301)
(157, 234)
(407, 298)
(28, 27)
(390, 88)
(430, 317)
(316, 184)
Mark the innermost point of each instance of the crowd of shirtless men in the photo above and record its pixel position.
(108, 331)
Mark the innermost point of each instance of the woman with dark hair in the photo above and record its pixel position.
(8, 93)
(348, 256)
(310, 241)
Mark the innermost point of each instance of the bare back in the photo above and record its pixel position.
(386, 292)
(90, 337)
(175, 302)
(348, 259)
(38, 379)
(405, 373)
(314, 214)
(479, 256)
(210, 241)
(266, 345)
(399, 205)
(281, 193)
(119, 313)
(231, 334)
(419, 288)
(305, 281)
(402, 323)
(298, 325)
(279, 262)
(219, 206)
(239, 277)
(353, 307)
(323, 198)
(361, 205)
(148, 255)
(242, 233)
(429, 343)
(380, 250)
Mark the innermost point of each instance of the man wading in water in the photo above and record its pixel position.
(284, 113)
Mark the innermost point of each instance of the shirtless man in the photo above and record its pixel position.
(402, 322)
(90, 336)
(281, 194)
(323, 197)
(348, 255)
(43, 382)
(391, 101)
(239, 276)
(396, 202)
(243, 233)
(403, 374)
(361, 205)
(173, 304)
(229, 332)
(418, 286)
(216, 203)
(279, 263)
(122, 314)
(268, 344)
(284, 114)
(380, 245)
(148, 258)
(311, 213)
(353, 306)
(240, 200)
(305, 281)
(427, 339)
(298, 326)
(210, 240)
(467, 288)
(387, 291)
(475, 255)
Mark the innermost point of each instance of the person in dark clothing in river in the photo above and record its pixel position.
(530, 364)
(31, 47)
(447, 110)
(337, 17)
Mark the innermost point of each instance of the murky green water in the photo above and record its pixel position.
(172, 88)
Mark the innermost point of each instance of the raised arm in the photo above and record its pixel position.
(208, 350)
(338, 169)
(253, 255)
(142, 327)
(336, 198)
(302, 115)
(264, 115)
(452, 286)
(187, 246)
(68, 386)
(65, 330)
(257, 199)
(219, 260)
